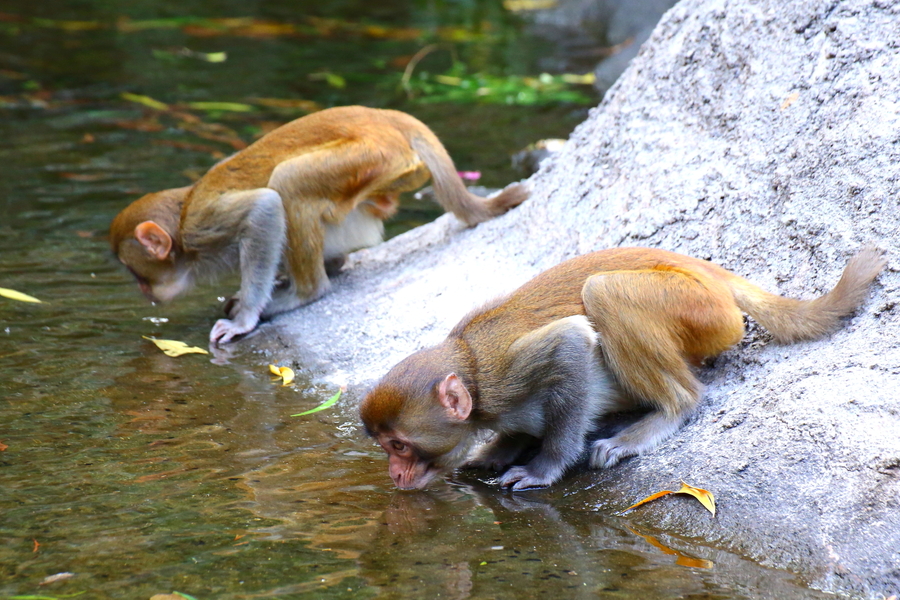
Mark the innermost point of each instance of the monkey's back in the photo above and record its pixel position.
(251, 168)
(556, 293)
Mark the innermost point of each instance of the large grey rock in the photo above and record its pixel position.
(765, 136)
(585, 32)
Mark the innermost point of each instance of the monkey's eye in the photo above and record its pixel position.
(399, 447)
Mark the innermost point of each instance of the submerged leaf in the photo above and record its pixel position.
(58, 577)
(327, 404)
(681, 558)
(221, 106)
(286, 374)
(705, 497)
(174, 347)
(525, 5)
(14, 295)
(145, 100)
(586, 79)
(289, 103)
(460, 86)
(332, 79)
(69, 25)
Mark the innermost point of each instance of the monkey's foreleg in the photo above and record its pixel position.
(557, 366)
(261, 243)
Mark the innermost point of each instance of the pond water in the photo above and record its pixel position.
(142, 474)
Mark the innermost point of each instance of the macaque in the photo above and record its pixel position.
(604, 332)
(301, 197)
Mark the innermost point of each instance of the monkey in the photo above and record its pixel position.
(604, 332)
(301, 197)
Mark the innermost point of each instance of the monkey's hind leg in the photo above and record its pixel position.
(649, 324)
(320, 189)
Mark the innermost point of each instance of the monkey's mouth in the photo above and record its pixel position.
(423, 479)
(143, 285)
(147, 291)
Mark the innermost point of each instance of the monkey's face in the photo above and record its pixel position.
(421, 440)
(422, 422)
(413, 461)
(160, 280)
(422, 444)
(407, 465)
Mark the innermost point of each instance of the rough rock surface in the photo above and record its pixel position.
(763, 135)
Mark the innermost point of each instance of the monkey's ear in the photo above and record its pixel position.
(154, 238)
(454, 396)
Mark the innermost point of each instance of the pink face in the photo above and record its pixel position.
(408, 470)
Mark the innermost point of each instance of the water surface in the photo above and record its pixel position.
(142, 474)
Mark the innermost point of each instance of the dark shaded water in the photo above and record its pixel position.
(143, 474)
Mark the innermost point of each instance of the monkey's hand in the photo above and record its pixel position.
(521, 478)
(226, 330)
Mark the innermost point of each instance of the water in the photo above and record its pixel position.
(142, 474)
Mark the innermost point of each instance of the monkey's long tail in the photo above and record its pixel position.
(449, 189)
(790, 320)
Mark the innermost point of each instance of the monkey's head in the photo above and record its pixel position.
(421, 417)
(144, 237)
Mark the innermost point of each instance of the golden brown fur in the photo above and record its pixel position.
(601, 332)
(287, 198)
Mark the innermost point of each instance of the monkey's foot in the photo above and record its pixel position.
(606, 453)
(518, 478)
(225, 331)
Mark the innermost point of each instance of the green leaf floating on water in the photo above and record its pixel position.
(327, 404)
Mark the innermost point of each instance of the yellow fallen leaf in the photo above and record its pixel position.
(705, 497)
(790, 100)
(174, 347)
(286, 374)
(14, 295)
(649, 498)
